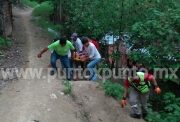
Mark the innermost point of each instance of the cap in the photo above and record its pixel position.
(74, 35)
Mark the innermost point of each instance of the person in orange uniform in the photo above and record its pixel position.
(140, 87)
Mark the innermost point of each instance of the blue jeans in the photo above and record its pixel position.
(91, 67)
(71, 62)
(64, 62)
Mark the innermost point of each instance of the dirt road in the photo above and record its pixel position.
(41, 100)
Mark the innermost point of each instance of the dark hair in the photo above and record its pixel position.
(84, 40)
(62, 41)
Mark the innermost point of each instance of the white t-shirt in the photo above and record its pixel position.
(92, 51)
(78, 45)
(69, 54)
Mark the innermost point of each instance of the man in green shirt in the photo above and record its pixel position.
(60, 50)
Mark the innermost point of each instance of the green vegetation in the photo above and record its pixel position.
(29, 3)
(159, 34)
(67, 87)
(169, 112)
(153, 25)
(42, 13)
(5, 42)
(113, 89)
(43, 10)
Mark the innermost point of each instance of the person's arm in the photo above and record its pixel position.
(126, 87)
(154, 82)
(90, 56)
(72, 49)
(124, 101)
(51, 47)
(125, 93)
(157, 89)
(73, 54)
(42, 52)
(85, 58)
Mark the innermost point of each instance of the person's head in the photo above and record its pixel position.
(74, 36)
(63, 41)
(85, 41)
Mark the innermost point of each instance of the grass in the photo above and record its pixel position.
(44, 10)
(42, 14)
(5, 42)
(67, 88)
(113, 89)
(29, 3)
(47, 25)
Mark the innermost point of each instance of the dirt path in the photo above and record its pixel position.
(40, 100)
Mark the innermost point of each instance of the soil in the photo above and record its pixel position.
(42, 100)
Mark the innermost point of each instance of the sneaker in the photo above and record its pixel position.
(137, 116)
(52, 72)
(86, 77)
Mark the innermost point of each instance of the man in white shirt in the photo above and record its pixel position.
(79, 47)
(93, 56)
(77, 42)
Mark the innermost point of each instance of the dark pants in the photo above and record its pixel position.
(71, 62)
(136, 98)
(65, 62)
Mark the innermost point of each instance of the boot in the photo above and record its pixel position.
(137, 116)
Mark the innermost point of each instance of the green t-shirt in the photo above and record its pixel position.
(61, 50)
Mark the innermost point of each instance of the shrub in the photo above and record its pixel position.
(29, 3)
(43, 10)
(67, 87)
(113, 89)
(169, 113)
(4, 42)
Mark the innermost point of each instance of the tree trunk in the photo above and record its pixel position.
(58, 12)
(6, 18)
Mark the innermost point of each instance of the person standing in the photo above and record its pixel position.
(140, 84)
(93, 57)
(60, 50)
(79, 48)
(77, 42)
